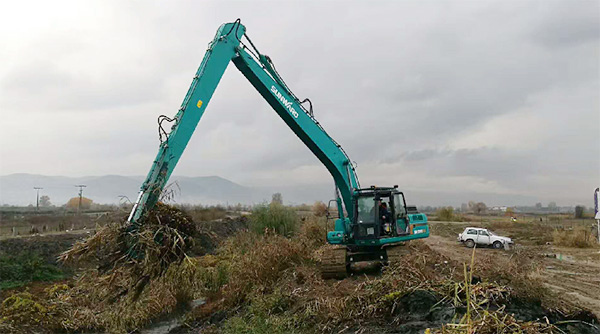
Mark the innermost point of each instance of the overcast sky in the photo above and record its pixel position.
(491, 97)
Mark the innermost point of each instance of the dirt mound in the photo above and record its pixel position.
(213, 233)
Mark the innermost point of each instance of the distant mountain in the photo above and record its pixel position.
(17, 189)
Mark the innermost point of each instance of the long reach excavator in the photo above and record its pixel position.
(371, 222)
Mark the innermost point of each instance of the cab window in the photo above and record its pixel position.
(471, 232)
(481, 232)
(399, 208)
(366, 210)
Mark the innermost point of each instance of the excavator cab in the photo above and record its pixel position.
(380, 224)
(380, 218)
(380, 213)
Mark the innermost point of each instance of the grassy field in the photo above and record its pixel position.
(528, 230)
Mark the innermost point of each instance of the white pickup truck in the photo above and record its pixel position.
(483, 237)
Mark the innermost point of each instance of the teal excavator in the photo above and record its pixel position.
(371, 222)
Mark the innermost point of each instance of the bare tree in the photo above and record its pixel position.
(472, 205)
(480, 208)
(579, 210)
(277, 198)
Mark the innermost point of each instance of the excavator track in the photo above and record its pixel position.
(396, 252)
(333, 263)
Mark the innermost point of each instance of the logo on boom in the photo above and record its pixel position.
(284, 101)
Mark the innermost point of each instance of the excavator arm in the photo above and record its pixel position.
(264, 78)
(227, 46)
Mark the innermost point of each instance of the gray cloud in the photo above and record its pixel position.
(500, 96)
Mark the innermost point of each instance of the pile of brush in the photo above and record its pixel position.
(130, 274)
(145, 251)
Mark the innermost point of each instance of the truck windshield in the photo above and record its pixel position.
(366, 210)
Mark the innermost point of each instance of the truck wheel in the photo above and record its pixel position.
(470, 243)
(498, 245)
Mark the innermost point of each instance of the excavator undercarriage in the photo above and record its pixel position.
(342, 261)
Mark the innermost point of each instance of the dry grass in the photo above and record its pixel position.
(579, 238)
(280, 289)
(478, 318)
(205, 214)
(531, 233)
(304, 302)
(493, 322)
(319, 209)
(269, 283)
(257, 263)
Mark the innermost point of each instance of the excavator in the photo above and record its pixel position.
(371, 224)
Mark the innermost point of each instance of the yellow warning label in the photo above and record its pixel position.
(199, 104)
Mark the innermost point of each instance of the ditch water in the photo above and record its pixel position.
(172, 323)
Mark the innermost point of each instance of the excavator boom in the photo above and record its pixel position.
(227, 46)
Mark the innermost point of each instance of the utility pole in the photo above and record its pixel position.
(596, 210)
(37, 202)
(81, 186)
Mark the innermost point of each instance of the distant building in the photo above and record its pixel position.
(499, 208)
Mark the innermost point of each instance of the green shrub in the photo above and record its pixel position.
(274, 217)
(446, 214)
(21, 269)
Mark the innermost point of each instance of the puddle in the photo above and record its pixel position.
(559, 256)
(163, 327)
(166, 326)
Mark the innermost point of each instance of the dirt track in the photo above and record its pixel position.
(571, 271)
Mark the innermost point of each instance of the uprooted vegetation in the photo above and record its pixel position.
(269, 282)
